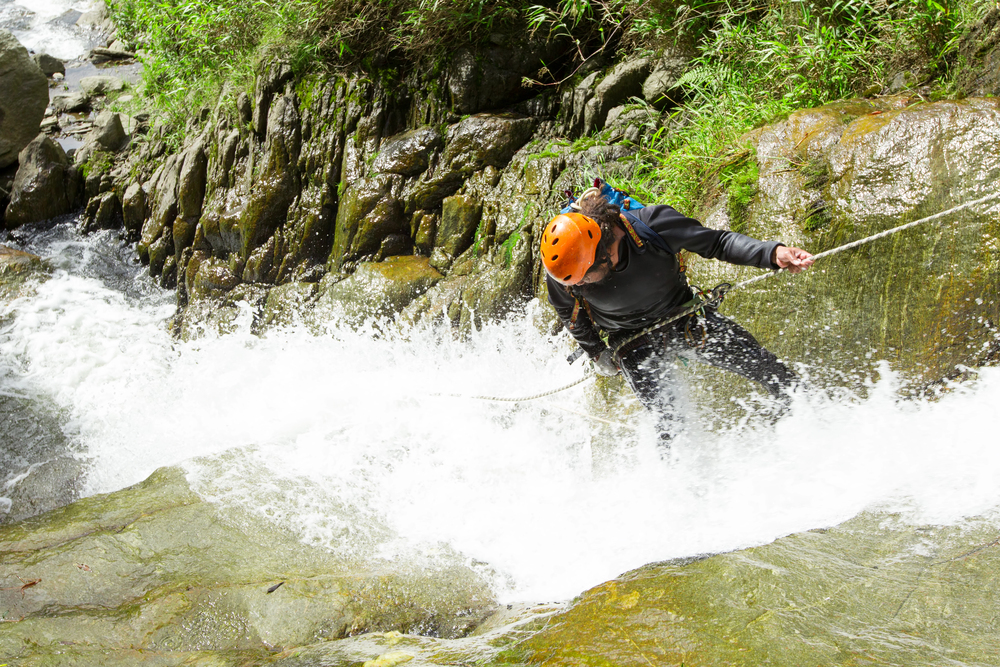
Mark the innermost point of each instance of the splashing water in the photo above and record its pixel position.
(340, 438)
(48, 26)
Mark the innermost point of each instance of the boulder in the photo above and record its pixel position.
(873, 591)
(921, 299)
(624, 81)
(378, 289)
(460, 217)
(108, 133)
(285, 303)
(660, 89)
(77, 101)
(49, 64)
(47, 184)
(101, 85)
(24, 99)
(471, 145)
(369, 212)
(408, 153)
(154, 573)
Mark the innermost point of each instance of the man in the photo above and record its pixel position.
(608, 274)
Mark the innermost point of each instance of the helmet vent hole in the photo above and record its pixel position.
(553, 230)
(555, 240)
(568, 277)
(554, 258)
(590, 233)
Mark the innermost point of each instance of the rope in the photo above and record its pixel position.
(874, 237)
(719, 292)
(506, 399)
(716, 295)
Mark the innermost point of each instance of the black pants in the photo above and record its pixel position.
(648, 363)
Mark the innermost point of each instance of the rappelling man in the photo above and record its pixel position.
(618, 272)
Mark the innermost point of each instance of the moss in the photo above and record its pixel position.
(816, 172)
(817, 216)
(739, 178)
(99, 163)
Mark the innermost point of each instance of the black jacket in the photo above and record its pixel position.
(646, 286)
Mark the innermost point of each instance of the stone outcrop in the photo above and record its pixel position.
(49, 64)
(47, 184)
(923, 298)
(25, 96)
(189, 579)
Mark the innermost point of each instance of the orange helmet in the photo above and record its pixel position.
(569, 244)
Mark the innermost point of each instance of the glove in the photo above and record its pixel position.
(605, 364)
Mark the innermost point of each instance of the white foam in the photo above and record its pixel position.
(46, 33)
(338, 438)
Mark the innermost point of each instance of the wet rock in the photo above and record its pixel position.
(78, 101)
(15, 266)
(49, 64)
(979, 48)
(286, 303)
(378, 289)
(460, 217)
(102, 212)
(408, 154)
(472, 144)
(101, 85)
(163, 207)
(393, 245)
(809, 599)
(46, 185)
(135, 209)
(624, 81)
(660, 89)
(859, 167)
(25, 97)
(278, 181)
(190, 578)
(369, 212)
(190, 195)
(213, 280)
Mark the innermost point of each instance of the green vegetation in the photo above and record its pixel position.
(760, 61)
(755, 61)
(99, 163)
(740, 180)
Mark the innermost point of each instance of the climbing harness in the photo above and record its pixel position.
(714, 297)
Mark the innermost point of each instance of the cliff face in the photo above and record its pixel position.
(311, 180)
(346, 197)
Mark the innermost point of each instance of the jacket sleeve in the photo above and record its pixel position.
(583, 329)
(683, 233)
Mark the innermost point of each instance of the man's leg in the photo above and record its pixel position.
(727, 345)
(650, 371)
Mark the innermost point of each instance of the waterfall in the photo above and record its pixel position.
(337, 436)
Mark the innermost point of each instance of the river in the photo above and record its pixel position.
(339, 437)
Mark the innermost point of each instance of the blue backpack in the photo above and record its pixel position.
(639, 231)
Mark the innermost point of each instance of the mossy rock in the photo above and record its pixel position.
(154, 568)
(872, 591)
(921, 299)
(378, 289)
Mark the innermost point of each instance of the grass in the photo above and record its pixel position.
(758, 62)
(755, 61)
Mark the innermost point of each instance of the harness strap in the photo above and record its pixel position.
(700, 301)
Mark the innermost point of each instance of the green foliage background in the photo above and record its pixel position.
(755, 60)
